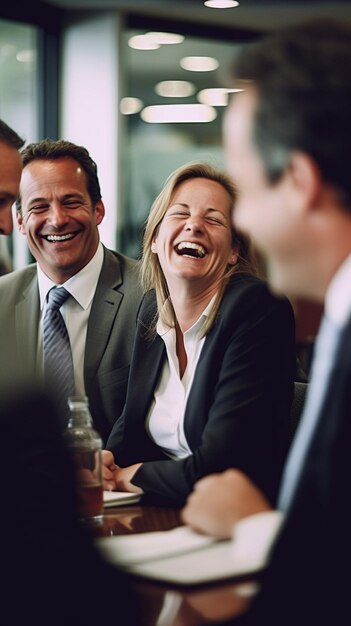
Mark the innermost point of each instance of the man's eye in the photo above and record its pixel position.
(38, 208)
(7, 200)
(72, 204)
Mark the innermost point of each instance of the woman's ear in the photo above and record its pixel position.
(153, 246)
(233, 259)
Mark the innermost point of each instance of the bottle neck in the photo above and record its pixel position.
(80, 417)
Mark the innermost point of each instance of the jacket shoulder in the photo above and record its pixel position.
(18, 280)
(249, 294)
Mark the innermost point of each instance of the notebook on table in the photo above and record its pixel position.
(119, 498)
(182, 556)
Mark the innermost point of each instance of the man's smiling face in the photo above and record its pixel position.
(58, 216)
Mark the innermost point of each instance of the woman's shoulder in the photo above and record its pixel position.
(242, 283)
(247, 289)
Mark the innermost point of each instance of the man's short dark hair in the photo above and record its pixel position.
(10, 137)
(302, 76)
(49, 149)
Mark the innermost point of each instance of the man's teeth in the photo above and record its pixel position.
(59, 237)
(185, 246)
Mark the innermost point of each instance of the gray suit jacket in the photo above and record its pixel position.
(110, 334)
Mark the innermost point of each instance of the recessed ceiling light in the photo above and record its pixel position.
(217, 97)
(25, 56)
(199, 64)
(129, 105)
(221, 4)
(143, 42)
(178, 113)
(175, 89)
(166, 38)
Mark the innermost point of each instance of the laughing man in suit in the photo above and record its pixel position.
(59, 211)
(288, 139)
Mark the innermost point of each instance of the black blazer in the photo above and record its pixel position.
(308, 579)
(238, 409)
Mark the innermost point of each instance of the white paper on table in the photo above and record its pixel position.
(116, 498)
(183, 556)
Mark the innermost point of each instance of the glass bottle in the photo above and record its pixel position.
(85, 446)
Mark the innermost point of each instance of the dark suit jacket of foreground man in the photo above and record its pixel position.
(109, 341)
(308, 579)
(51, 573)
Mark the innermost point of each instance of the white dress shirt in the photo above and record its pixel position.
(75, 311)
(165, 420)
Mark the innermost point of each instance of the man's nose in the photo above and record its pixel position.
(57, 215)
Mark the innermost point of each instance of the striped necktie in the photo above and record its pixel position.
(58, 363)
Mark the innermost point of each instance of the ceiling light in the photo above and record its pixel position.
(217, 97)
(25, 56)
(129, 106)
(166, 38)
(199, 64)
(175, 89)
(221, 4)
(174, 113)
(143, 42)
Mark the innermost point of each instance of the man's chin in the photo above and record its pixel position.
(277, 279)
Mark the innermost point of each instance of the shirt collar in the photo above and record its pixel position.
(81, 286)
(338, 296)
(162, 328)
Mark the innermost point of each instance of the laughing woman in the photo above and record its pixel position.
(211, 377)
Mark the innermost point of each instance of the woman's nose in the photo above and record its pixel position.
(194, 223)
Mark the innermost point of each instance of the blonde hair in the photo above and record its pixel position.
(152, 276)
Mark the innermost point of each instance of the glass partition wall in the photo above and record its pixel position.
(175, 91)
(18, 108)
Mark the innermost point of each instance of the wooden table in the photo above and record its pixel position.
(165, 604)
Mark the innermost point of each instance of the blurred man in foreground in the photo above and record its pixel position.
(288, 139)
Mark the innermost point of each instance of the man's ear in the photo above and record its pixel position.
(305, 179)
(20, 223)
(100, 211)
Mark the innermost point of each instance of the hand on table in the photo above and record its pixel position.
(218, 501)
(117, 478)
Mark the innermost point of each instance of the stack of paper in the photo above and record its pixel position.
(185, 557)
(116, 498)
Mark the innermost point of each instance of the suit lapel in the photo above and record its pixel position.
(27, 315)
(148, 356)
(105, 305)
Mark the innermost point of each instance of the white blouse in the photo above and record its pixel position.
(165, 419)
